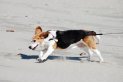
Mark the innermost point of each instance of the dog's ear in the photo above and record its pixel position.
(38, 30)
(44, 35)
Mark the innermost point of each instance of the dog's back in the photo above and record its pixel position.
(66, 38)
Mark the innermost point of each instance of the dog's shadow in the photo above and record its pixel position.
(52, 57)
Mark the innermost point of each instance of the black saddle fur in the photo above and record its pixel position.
(66, 38)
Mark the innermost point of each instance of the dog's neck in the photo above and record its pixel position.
(51, 36)
(53, 33)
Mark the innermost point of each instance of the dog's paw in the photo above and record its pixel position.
(101, 61)
(82, 54)
(41, 61)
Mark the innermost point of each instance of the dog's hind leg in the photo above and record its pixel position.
(97, 52)
(88, 50)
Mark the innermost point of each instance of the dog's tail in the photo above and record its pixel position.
(94, 33)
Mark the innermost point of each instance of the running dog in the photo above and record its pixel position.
(55, 39)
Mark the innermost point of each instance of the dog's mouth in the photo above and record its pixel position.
(33, 48)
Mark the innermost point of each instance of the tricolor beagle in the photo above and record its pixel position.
(63, 39)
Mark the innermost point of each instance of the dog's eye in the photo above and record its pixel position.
(34, 40)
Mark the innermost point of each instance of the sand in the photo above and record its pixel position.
(22, 16)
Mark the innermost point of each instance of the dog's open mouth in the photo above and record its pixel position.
(34, 47)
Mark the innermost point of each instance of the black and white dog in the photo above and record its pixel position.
(63, 39)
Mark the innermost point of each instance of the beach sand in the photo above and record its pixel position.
(18, 63)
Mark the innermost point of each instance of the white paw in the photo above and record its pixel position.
(101, 61)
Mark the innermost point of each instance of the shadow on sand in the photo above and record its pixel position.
(24, 56)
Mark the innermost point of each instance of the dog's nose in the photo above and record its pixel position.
(30, 47)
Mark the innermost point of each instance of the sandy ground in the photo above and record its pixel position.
(103, 16)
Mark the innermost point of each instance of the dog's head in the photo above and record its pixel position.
(38, 37)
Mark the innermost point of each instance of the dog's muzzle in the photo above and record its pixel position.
(30, 47)
(33, 46)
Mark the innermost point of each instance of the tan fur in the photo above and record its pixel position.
(38, 30)
(37, 36)
(44, 34)
(55, 46)
(90, 41)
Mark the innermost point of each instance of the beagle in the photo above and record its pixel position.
(55, 39)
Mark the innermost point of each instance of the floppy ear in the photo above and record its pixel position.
(38, 30)
(44, 34)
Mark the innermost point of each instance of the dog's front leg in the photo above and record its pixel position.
(41, 54)
(43, 57)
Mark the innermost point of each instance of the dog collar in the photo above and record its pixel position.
(54, 38)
